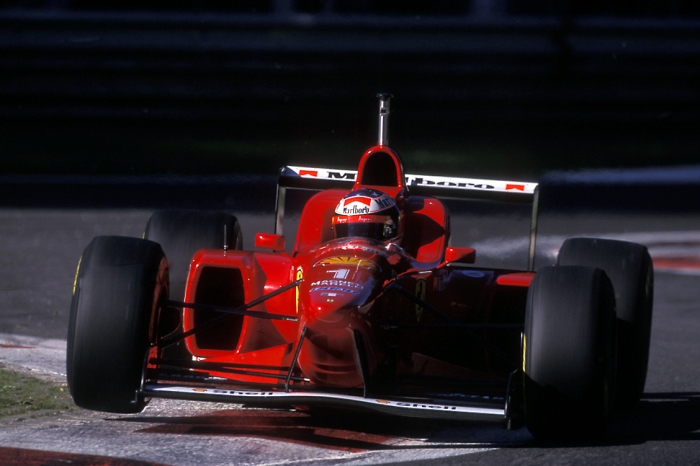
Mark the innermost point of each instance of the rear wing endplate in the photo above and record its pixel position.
(444, 187)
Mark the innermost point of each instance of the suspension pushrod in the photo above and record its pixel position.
(230, 310)
(294, 360)
(226, 312)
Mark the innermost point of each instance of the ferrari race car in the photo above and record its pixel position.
(370, 309)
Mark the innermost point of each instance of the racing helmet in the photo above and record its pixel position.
(368, 213)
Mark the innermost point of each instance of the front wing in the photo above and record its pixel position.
(473, 408)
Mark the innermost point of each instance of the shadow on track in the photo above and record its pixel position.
(343, 430)
(658, 417)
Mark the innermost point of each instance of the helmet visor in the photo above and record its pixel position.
(377, 227)
(363, 230)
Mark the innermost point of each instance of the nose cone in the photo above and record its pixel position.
(337, 283)
(337, 294)
(329, 358)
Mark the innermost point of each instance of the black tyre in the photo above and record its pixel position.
(569, 353)
(114, 313)
(630, 269)
(182, 232)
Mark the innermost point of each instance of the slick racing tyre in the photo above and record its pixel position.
(181, 233)
(569, 353)
(119, 285)
(631, 271)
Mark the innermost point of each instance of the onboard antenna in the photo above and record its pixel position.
(384, 118)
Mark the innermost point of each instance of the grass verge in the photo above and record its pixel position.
(22, 394)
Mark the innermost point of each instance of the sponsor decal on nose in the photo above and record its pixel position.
(340, 273)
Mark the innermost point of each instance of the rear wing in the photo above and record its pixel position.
(441, 187)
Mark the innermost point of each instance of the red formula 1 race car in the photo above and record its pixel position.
(371, 309)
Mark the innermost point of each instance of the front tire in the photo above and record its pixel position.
(569, 353)
(119, 285)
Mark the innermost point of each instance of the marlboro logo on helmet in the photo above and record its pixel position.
(368, 213)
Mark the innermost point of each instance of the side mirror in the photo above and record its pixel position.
(463, 255)
(269, 241)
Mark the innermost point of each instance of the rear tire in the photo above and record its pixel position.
(630, 269)
(569, 353)
(113, 319)
(181, 233)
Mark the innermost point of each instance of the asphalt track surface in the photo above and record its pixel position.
(39, 251)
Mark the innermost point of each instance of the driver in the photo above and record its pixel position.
(368, 213)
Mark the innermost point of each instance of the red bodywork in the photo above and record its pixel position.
(364, 310)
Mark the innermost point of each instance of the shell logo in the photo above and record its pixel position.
(347, 261)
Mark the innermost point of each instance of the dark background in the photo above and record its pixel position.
(483, 88)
